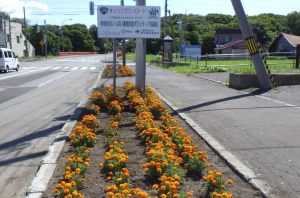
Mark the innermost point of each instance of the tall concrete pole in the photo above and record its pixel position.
(258, 63)
(123, 43)
(46, 39)
(25, 32)
(140, 51)
(9, 29)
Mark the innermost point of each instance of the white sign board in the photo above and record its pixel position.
(128, 21)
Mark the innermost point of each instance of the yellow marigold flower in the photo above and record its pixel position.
(75, 193)
(229, 182)
(162, 188)
(119, 179)
(68, 168)
(155, 186)
(66, 191)
(189, 193)
(110, 194)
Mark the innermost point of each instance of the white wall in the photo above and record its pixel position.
(17, 40)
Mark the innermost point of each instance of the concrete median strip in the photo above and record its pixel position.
(240, 168)
(48, 164)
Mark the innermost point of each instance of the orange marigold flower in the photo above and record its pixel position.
(155, 186)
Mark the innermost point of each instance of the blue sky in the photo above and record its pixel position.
(58, 11)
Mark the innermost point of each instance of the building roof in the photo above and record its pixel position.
(229, 45)
(292, 39)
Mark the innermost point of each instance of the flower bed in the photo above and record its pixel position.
(121, 71)
(127, 146)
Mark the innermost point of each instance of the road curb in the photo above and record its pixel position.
(241, 169)
(48, 164)
(212, 80)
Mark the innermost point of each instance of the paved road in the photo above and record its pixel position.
(34, 105)
(260, 129)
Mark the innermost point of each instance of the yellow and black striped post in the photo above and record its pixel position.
(271, 76)
(264, 58)
(251, 45)
(261, 72)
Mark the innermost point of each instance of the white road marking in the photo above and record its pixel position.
(20, 74)
(92, 68)
(49, 81)
(83, 68)
(273, 100)
(66, 68)
(55, 68)
(74, 68)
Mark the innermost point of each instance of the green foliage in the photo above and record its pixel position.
(196, 29)
(293, 22)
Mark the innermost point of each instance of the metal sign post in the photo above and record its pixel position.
(140, 53)
(123, 43)
(261, 71)
(115, 67)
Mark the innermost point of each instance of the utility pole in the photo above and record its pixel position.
(165, 21)
(5, 37)
(45, 39)
(170, 20)
(140, 51)
(9, 29)
(25, 32)
(261, 71)
(123, 43)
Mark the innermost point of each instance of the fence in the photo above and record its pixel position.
(279, 62)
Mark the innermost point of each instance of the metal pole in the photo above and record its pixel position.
(261, 71)
(9, 29)
(62, 37)
(165, 20)
(45, 39)
(297, 56)
(115, 67)
(25, 32)
(123, 43)
(140, 52)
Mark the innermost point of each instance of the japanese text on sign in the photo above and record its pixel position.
(128, 21)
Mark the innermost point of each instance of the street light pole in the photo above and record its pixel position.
(62, 33)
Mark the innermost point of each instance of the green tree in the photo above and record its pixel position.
(293, 22)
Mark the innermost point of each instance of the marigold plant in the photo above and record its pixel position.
(99, 99)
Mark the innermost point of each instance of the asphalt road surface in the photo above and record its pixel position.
(34, 105)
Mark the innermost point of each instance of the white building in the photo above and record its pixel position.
(11, 37)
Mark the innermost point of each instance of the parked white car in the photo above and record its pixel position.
(8, 60)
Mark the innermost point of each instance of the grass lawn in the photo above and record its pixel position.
(188, 67)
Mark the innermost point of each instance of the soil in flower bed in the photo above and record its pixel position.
(95, 184)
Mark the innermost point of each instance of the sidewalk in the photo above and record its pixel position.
(262, 133)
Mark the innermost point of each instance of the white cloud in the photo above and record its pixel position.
(15, 7)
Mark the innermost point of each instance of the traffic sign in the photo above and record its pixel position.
(128, 21)
(42, 42)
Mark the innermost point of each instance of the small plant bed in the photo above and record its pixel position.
(121, 71)
(126, 146)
